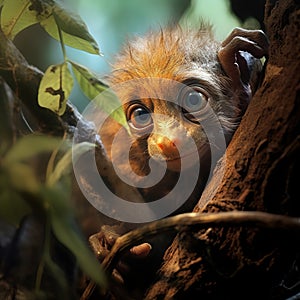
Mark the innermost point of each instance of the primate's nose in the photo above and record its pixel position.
(169, 147)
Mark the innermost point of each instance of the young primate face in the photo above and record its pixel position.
(172, 128)
(176, 98)
(183, 95)
(176, 123)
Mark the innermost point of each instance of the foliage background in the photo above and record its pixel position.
(111, 23)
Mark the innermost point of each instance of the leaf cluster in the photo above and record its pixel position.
(24, 190)
(23, 193)
(70, 30)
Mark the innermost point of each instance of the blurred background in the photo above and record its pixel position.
(111, 22)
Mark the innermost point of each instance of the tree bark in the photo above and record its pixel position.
(261, 166)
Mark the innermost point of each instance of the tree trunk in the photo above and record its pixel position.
(261, 170)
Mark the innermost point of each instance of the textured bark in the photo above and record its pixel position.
(261, 167)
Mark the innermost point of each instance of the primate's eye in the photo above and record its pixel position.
(194, 101)
(139, 117)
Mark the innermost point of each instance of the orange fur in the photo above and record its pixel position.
(163, 55)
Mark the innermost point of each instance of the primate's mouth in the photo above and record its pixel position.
(183, 157)
(180, 163)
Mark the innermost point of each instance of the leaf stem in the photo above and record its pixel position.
(61, 39)
(16, 19)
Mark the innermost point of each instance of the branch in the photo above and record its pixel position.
(199, 221)
(195, 221)
(24, 80)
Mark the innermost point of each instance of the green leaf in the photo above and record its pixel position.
(74, 31)
(110, 103)
(59, 276)
(23, 178)
(88, 81)
(29, 146)
(17, 15)
(65, 163)
(66, 232)
(12, 207)
(95, 90)
(55, 88)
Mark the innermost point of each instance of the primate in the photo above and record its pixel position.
(183, 95)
